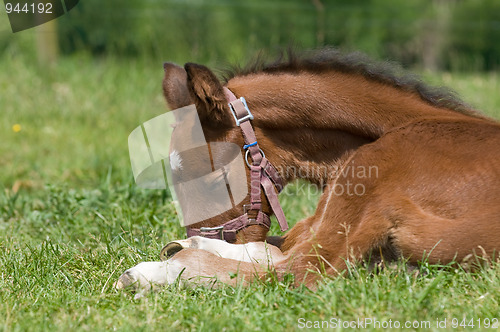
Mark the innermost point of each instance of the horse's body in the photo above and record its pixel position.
(407, 172)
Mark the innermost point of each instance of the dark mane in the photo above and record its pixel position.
(357, 63)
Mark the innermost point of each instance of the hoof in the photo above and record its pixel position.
(169, 250)
(126, 281)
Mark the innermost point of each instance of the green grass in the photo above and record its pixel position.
(71, 220)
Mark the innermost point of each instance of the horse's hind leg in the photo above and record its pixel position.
(344, 236)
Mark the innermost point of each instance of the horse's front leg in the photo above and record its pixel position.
(148, 275)
(259, 252)
(202, 261)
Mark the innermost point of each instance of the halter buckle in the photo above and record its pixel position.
(247, 155)
(209, 229)
(247, 117)
(229, 230)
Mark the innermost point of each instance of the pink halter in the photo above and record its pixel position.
(262, 174)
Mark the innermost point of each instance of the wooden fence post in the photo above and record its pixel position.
(47, 44)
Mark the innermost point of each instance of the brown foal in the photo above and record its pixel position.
(407, 171)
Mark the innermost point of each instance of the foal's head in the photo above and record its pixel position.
(196, 84)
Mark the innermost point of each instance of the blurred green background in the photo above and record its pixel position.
(429, 34)
(72, 219)
(77, 86)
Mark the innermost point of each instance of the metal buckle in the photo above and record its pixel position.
(246, 207)
(249, 116)
(218, 228)
(252, 222)
(248, 152)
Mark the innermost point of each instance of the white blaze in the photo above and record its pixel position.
(175, 161)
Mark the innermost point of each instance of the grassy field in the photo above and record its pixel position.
(71, 220)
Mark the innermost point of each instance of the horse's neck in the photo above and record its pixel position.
(313, 120)
(308, 153)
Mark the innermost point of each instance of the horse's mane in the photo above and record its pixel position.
(356, 63)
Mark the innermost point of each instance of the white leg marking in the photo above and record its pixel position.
(260, 252)
(149, 275)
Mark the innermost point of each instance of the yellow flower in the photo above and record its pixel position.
(16, 128)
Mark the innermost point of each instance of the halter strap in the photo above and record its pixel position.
(262, 174)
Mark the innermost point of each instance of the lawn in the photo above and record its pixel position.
(71, 220)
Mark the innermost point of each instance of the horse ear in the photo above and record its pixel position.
(208, 95)
(175, 88)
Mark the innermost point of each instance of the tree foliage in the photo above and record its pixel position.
(432, 34)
